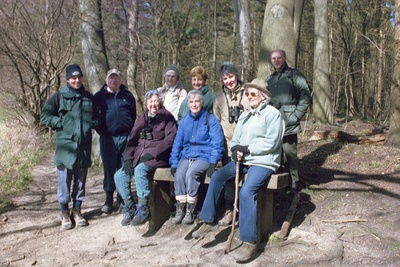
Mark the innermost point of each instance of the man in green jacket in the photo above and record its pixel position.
(291, 95)
(71, 112)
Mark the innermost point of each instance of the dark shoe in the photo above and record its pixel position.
(227, 219)
(107, 208)
(179, 214)
(202, 231)
(66, 223)
(78, 218)
(142, 214)
(245, 252)
(129, 212)
(189, 216)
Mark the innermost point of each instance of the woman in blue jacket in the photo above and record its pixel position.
(197, 148)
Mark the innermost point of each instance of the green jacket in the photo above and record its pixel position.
(208, 103)
(73, 114)
(291, 95)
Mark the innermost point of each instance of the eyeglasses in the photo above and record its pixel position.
(252, 94)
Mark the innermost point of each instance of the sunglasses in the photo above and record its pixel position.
(252, 94)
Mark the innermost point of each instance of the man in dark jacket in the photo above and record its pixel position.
(291, 95)
(71, 111)
(148, 148)
(117, 115)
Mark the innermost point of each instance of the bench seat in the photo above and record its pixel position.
(160, 201)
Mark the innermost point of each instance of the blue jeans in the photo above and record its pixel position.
(256, 177)
(188, 176)
(123, 181)
(65, 178)
(112, 154)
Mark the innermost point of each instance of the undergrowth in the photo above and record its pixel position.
(21, 149)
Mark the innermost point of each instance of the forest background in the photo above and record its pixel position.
(348, 50)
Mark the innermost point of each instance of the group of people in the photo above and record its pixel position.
(244, 123)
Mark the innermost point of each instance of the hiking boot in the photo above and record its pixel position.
(118, 205)
(129, 212)
(108, 205)
(78, 218)
(66, 223)
(179, 214)
(107, 208)
(142, 214)
(227, 219)
(245, 252)
(202, 231)
(189, 216)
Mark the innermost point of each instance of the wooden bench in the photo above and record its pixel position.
(160, 201)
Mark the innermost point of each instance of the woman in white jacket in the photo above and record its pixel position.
(257, 144)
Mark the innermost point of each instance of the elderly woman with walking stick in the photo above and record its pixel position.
(256, 145)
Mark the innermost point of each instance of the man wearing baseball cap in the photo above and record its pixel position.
(117, 115)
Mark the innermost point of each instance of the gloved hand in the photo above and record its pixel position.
(173, 171)
(210, 170)
(128, 168)
(243, 149)
(235, 155)
(146, 157)
(276, 104)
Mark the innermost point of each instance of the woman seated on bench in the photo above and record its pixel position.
(256, 144)
(197, 148)
(148, 148)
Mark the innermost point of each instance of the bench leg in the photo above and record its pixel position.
(265, 204)
(160, 212)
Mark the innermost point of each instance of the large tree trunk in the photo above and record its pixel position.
(93, 45)
(394, 127)
(281, 30)
(94, 54)
(245, 39)
(133, 81)
(322, 103)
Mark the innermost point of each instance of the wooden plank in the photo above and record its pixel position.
(277, 181)
(159, 204)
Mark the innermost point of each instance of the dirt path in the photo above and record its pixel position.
(338, 223)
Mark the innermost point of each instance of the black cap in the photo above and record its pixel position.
(73, 70)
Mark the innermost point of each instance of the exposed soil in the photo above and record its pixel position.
(348, 216)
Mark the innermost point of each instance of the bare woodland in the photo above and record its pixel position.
(348, 50)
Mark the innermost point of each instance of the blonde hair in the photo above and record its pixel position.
(198, 70)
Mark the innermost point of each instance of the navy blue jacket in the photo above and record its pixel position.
(117, 111)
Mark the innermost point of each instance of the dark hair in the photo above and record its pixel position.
(227, 68)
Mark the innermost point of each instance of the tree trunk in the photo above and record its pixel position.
(394, 126)
(93, 45)
(133, 81)
(94, 54)
(245, 43)
(322, 103)
(281, 30)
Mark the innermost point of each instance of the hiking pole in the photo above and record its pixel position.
(235, 209)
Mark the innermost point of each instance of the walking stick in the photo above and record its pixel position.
(235, 208)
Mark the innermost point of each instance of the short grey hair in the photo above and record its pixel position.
(196, 94)
(150, 93)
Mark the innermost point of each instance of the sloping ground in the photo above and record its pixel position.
(349, 216)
